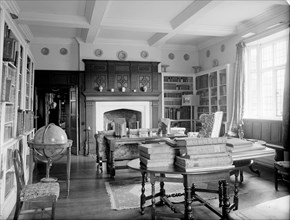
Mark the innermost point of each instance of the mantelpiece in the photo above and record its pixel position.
(121, 78)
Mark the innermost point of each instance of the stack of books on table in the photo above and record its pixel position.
(236, 145)
(197, 153)
(156, 155)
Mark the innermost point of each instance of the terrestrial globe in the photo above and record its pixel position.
(49, 144)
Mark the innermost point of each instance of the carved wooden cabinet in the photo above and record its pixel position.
(130, 77)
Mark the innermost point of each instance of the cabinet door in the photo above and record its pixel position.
(73, 120)
(96, 75)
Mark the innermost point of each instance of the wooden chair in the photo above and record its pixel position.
(35, 194)
(282, 170)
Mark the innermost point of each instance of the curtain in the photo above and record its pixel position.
(286, 106)
(238, 91)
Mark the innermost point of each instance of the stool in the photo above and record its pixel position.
(281, 172)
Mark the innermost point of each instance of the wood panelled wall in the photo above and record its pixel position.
(266, 130)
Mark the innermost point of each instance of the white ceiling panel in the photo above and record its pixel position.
(155, 23)
(52, 32)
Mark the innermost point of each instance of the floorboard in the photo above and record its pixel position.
(88, 198)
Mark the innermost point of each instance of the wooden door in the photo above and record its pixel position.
(73, 120)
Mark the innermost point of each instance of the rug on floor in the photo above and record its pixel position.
(125, 194)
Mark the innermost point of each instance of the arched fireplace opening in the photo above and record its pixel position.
(132, 117)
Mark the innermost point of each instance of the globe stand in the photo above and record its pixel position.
(47, 178)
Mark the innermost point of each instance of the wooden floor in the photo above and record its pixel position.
(89, 200)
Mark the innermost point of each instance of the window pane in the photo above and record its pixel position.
(267, 94)
(253, 59)
(280, 49)
(267, 58)
(252, 108)
(280, 89)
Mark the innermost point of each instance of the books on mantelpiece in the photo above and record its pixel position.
(193, 141)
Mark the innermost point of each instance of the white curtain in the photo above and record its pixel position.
(286, 107)
(238, 90)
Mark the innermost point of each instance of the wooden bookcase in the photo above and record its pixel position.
(212, 87)
(174, 85)
(16, 106)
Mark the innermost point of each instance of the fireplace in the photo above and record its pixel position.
(138, 114)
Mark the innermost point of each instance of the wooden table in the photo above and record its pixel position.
(114, 142)
(219, 174)
(66, 147)
(246, 159)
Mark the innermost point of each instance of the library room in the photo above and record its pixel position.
(144, 109)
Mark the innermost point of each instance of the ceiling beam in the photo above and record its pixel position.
(94, 13)
(52, 20)
(189, 14)
(136, 25)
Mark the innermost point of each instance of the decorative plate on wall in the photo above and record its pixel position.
(186, 57)
(223, 47)
(63, 51)
(207, 53)
(171, 56)
(122, 55)
(45, 51)
(144, 54)
(98, 52)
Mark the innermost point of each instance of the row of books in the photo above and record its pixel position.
(8, 83)
(202, 153)
(177, 113)
(25, 121)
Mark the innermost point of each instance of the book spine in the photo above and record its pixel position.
(206, 149)
(204, 162)
(200, 141)
(161, 160)
(149, 163)
(203, 156)
(159, 149)
(156, 156)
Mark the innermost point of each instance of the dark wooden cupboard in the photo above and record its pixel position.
(130, 77)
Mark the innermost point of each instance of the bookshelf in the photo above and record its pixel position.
(174, 86)
(212, 87)
(16, 116)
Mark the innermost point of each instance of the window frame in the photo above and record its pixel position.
(259, 44)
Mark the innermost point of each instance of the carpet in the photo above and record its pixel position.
(125, 194)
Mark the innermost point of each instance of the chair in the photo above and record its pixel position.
(281, 172)
(36, 194)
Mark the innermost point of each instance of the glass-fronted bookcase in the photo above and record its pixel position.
(16, 117)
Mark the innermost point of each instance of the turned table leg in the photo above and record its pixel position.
(142, 197)
(187, 198)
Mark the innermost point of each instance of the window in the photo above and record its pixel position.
(265, 69)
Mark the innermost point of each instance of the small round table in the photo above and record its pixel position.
(198, 175)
